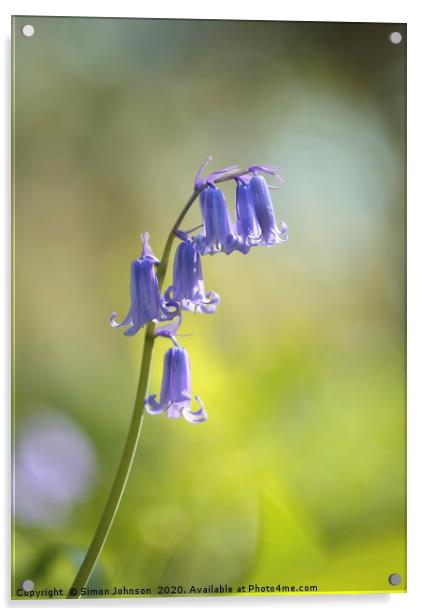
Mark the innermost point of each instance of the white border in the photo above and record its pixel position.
(324, 10)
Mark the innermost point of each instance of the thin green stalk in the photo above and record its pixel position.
(127, 458)
(131, 443)
(122, 473)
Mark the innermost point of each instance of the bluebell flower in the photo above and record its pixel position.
(247, 225)
(175, 394)
(260, 198)
(219, 234)
(218, 228)
(146, 301)
(188, 286)
(255, 222)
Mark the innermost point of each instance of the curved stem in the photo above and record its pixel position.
(131, 443)
(163, 265)
(125, 464)
(122, 473)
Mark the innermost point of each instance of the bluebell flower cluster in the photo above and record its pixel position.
(255, 224)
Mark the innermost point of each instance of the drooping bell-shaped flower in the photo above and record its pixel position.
(261, 200)
(175, 395)
(218, 228)
(247, 224)
(146, 302)
(188, 286)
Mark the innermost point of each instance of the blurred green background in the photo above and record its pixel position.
(298, 476)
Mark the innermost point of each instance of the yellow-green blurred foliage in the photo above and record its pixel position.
(298, 475)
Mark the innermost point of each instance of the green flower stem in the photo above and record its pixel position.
(122, 473)
(124, 468)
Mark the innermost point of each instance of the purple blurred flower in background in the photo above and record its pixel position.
(175, 395)
(55, 466)
(188, 286)
(146, 302)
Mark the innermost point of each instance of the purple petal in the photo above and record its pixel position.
(267, 169)
(198, 416)
(218, 225)
(264, 211)
(152, 406)
(184, 274)
(187, 304)
(125, 321)
(169, 329)
(209, 304)
(247, 223)
(174, 411)
(133, 330)
(180, 383)
(199, 182)
(220, 173)
(284, 231)
(170, 309)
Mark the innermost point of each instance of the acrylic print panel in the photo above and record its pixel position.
(272, 459)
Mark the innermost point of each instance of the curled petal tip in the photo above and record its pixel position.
(152, 406)
(170, 310)
(112, 320)
(198, 416)
(114, 323)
